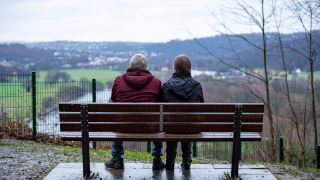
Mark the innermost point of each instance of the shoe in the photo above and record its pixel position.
(157, 164)
(115, 164)
(169, 166)
(185, 166)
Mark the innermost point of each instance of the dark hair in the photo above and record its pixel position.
(182, 64)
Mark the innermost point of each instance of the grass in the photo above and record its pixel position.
(312, 170)
(291, 169)
(96, 155)
(102, 154)
(11, 89)
(160, 74)
(13, 95)
(303, 75)
(3, 143)
(101, 75)
(294, 170)
(16, 100)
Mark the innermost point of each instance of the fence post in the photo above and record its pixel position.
(281, 149)
(94, 99)
(149, 147)
(241, 151)
(34, 106)
(318, 157)
(194, 149)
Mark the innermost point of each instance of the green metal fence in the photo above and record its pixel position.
(49, 94)
(15, 104)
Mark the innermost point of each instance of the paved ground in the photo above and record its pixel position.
(144, 171)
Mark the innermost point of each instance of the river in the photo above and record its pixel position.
(49, 123)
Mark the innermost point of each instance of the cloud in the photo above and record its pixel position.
(101, 20)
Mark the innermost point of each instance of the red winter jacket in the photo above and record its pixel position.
(136, 85)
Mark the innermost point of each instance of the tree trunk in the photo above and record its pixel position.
(267, 85)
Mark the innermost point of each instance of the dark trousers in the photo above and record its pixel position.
(117, 148)
(171, 151)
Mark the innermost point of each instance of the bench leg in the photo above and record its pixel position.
(85, 155)
(235, 160)
(85, 141)
(236, 145)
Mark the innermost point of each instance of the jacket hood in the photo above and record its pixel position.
(182, 85)
(137, 78)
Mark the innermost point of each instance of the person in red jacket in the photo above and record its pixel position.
(136, 85)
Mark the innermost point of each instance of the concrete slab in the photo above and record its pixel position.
(241, 166)
(72, 171)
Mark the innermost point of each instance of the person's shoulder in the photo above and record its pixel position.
(198, 86)
(156, 80)
(169, 81)
(118, 77)
(196, 82)
(118, 80)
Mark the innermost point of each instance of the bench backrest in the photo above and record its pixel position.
(160, 117)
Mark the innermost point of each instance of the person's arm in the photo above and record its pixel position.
(200, 93)
(159, 92)
(114, 88)
(163, 94)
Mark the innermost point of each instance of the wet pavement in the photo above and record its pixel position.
(144, 171)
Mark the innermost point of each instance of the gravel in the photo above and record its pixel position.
(28, 159)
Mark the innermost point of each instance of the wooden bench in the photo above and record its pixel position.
(161, 122)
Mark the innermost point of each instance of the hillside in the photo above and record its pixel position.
(66, 54)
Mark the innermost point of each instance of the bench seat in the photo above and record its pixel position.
(204, 136)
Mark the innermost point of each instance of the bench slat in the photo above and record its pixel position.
(170, 127)
(131, 117)
(206, 127)
(211, 118)
(252, 108)
(109, 136)
(128, 127)
(198, 107)
(111, 117)
(111, 107)
(155, 107)
(64, 107)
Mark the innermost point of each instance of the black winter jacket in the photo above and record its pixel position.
(182, 88)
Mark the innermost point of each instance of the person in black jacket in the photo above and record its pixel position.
(181, 87)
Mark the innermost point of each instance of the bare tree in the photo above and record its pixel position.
(306, 12)
(259, 17)
(287, 89)
(264, 17)
(294, 115)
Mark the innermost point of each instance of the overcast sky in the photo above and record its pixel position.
(110, 20)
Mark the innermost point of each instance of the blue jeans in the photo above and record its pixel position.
(117, 148)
